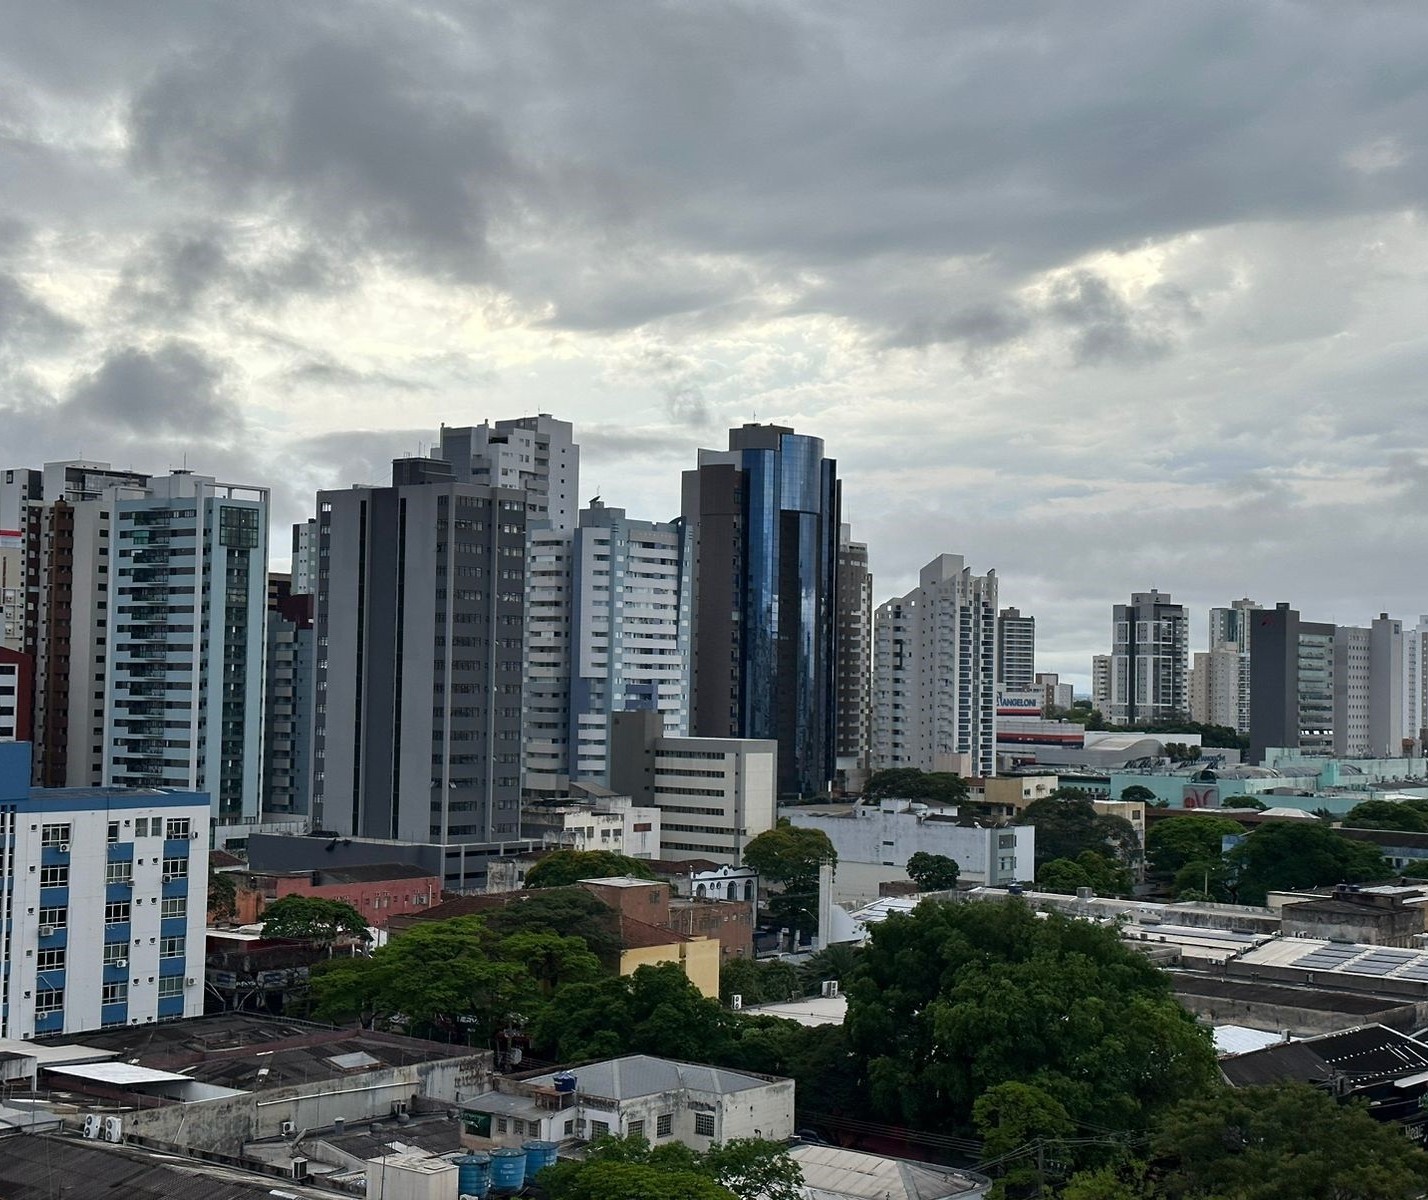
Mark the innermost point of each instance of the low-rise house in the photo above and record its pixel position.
(379, 891)
(655, 1098)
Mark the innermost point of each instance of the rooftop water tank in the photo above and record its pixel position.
(508, 1169)
(473, 1175)
(564, 1081)
(539, 1155)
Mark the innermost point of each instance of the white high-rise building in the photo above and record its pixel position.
(608, 618)
(1215, 688)
(536, 454)
(934, 673)
(1415, 679)
(1230, 630)
(186, 644)
(1016, 649)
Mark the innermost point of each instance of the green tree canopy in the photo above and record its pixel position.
(954, 999)
(1243, 802)
(562, 868)
(932, 872)
(222, 896)
(565, 910)
(908, 783)
(789, 858)
(314, 918)
(1285, 855)
(1065, 827)
(1387, 814)
(759, 982)
(1137, 792)
(1175, 841)
(1291, 1140)
(746, 1168)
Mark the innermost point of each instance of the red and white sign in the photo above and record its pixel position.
(1193, 796)
(11, 539)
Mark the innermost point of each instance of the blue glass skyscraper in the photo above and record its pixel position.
(764, 519)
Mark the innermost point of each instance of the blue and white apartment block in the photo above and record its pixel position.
(103, 899)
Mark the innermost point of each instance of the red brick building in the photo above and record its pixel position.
(379, 892)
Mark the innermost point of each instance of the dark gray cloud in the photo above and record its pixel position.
(174, 391)
(27, 324)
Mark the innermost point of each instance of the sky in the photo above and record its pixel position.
(1105, 296)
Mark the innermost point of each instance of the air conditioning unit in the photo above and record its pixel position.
(47, 931)
(736, 1002)
(168, 878)
(92, 1127)
(830, 989)
(289, 1128)
(190, 982)
(64, 847)
(113, 1129)
(121, 963)
(299, 1168)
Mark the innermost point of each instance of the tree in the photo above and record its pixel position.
(1386, 814)
(837, 962)
(566, 910)
(1267, 1143)
(617, 1168)
(1287, 855)
(562, 868)
(1137, 792)
(758, 982)
(933, 872)
(314, 919)
(908, 783)
(1175, 841)
(954, 999)
(1065, 826)
(1204, 879)
(222, 896)
(1063, 875)
(790, 858)
(1243, 802)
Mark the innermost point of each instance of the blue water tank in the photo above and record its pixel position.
(564, 1081)
(508, 1169)
(538, 1156)
(473, 1174)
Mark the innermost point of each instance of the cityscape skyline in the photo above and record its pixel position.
(1102, 330)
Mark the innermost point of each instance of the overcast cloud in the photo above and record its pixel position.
(1105, 296)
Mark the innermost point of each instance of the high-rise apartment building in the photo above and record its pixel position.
(1016, 649)
(934, 673)
(1230, 630)
(106, 895)
(608, 615)
(855, 660)
(537, 455)
(288, 706)
(1149, 661)
(1291, 683)
(1415, 679)
(1215, 691)
(420, 622)
(764, 518)
(304, 572)
(186, 643)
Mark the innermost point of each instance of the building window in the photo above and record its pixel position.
(119, 872)
(116, 954)
(113, 832)
(116, 914)
(637, 1129)
(171, 947)
(178, 827)
(170, 986)
(599, 1129)
(174, 906)
(176, 868)
(57, 876)
(518, 1126)
(54, 835)
(704, 1124)
(664, 1125)
(50, 960)
(114, 993)
(569, 1128)
(141, 826)
(500, 1124)
(57, 915)
(48, 1000)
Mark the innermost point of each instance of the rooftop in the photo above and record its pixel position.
(252, 1053)
(831, 1172)
(1365, 1055)
(638, 1075)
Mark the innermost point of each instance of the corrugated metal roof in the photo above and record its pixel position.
(641, 1075)
(119, 1073)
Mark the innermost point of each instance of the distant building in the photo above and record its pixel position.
(855, 661)
(1230, 630)
(934, 673)
(17, 695)
(1149, 660)
(714, 795)
(764, 519)
(536, 455)
(107, 894)
(874, 844)
(1055, 694)
(1016, 649)
(379, 892)
(1291, 683)
(288, 707)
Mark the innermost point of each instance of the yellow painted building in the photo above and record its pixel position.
(697, 957)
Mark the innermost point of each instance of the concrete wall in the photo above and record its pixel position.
(698, 959)
(224, 1125)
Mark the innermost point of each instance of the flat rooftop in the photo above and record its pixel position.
(252, 1053)
(1236, 987)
